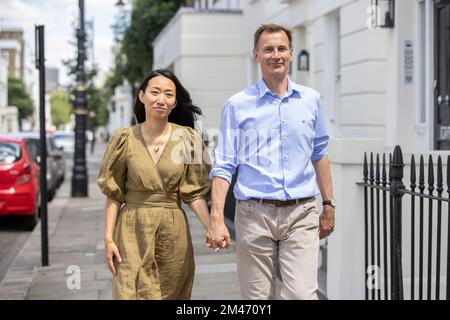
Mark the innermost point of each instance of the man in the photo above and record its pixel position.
(274, 134)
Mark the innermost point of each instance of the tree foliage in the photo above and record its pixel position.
(60, 108)
(135, 57)
(18, 97)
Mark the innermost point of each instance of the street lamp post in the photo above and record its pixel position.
(79, 174)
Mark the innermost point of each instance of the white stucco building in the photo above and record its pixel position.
(120, 108)
(380, 87)
(21, 65)
(8, 115)
(206, 50)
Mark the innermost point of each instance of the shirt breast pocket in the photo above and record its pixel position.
(306, 129)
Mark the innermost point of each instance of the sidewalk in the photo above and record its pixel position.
(75, 227)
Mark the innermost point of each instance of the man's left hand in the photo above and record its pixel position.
(326, 221)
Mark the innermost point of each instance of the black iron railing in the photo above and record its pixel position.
(383, 228)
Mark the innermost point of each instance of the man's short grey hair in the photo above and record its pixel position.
(271, 28)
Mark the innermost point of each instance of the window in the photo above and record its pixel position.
(422, 65)
(9, 152)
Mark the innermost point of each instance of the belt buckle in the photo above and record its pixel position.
(279, 203)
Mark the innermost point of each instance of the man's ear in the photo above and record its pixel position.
(255, 55)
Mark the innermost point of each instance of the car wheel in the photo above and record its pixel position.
(61, 180)
(30, 222)
(51, 194)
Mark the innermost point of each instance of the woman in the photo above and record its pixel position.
(147, 171)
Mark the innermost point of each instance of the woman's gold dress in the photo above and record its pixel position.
(152, 231)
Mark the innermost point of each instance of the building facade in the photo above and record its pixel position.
(12, 41)
(21, 66)
(8, 115)
(51, 79)
(120, 109)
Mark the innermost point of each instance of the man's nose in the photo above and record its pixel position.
(276, 54)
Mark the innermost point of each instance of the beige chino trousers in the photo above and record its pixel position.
(264, 232)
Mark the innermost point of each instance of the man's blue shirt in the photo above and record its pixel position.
(271, 141)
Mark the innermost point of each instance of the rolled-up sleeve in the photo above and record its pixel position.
(321, 140)
(225, 153)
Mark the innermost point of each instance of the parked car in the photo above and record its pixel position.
(19, 181)
(65, 140)
(54, 159)
(58, 155)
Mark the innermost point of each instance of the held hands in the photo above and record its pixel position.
(111, 253)
(326, 220)
(217, 236)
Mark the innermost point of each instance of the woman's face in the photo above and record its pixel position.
(159, 98)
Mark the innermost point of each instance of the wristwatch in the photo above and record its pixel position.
(329, 202)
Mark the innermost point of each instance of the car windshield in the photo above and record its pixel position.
(51, 141)
(64, 138)
(9, 152)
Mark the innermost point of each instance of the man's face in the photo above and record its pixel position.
(273, 54)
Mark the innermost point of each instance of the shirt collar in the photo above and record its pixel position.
(292, 87)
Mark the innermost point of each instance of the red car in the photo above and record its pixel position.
(19, 181)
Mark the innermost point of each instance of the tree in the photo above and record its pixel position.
(135, 58)
(18, 97)
(60, 108)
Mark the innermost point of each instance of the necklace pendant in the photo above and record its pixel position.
(156, 149)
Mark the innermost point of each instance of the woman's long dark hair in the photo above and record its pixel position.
(185, 113)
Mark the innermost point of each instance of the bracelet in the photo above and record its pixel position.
(108, 242)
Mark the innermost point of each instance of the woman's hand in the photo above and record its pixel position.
(217, 236)
(111, 253)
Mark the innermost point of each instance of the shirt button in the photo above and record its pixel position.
(284, 138)
(285, 157)
(284, 121)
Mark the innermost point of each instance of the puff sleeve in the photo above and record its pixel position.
(113, 171)
(195, 183)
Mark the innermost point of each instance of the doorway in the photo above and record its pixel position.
(442, 76)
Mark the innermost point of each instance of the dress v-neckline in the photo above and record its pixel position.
(155, 163)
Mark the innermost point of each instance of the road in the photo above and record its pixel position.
(12, 239)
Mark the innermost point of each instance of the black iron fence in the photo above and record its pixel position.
(392, 232)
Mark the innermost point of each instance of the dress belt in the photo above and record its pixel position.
(284, 203)
(152, 199)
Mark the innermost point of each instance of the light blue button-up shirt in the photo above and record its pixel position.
(271, 141)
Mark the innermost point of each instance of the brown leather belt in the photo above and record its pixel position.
(284, 203)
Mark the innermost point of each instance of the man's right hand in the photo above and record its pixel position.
(217, 236)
